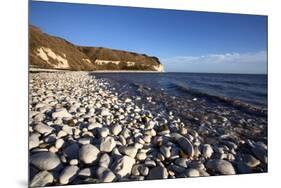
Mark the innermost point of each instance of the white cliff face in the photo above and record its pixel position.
(159, 68)
(130, 63)
(46, 53)
(104, 62)
(86, 60)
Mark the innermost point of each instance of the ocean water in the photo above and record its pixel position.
(245, 88)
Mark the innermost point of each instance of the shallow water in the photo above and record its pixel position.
(250, 89)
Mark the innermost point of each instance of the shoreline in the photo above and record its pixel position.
(136, 71)
(82, 129)
(97, 71)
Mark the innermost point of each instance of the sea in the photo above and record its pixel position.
(250, 89)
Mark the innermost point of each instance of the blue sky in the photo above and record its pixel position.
(185, 41)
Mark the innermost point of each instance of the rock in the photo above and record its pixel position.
(141, 156)
(184, 143)
(88, 153)
(33, 140)
(122, 139)
(77, 132)
(72, 151)
(197, 165)
(135, 170)
(61, 134)
(139, 169)
(39, 117)
(81, 110)
(116, 152)
(123, 166)
(104, 160)
(175, 152)
(68, 174)
(260, 151)
(150, 132)
(61, 113)
(147, 138)
(251, 161)
(128, 100)
(160, 157)
(182, 162)
(84, 141)
(59, 143)
(104, 132)
(107, 144)
(41, 179)
(144, 170)
(207, 151)
(53, 149)
(105, 175)
(73, 162)
(43, 129)
(158, 172)
(94, 125)
(165, 151)
(197, 152)
(150, 125)
(50, 138)
(177, 169)
(203, 173)
(126, 133)
(138, 145)
(150, 163)
(131, 151)
(220, 166)
(229, 144)
(192, 172)
(105, 112)
(45, 160)
(116, 129)
(242, 168)
(39, 105)
(67, 129)
(86, 172)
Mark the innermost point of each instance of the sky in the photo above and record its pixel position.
(184, 41)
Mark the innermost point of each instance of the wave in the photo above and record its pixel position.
(239, 83)
(241, 105)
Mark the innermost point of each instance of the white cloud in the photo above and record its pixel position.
(257, 57)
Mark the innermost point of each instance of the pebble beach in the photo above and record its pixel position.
(82, 130)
